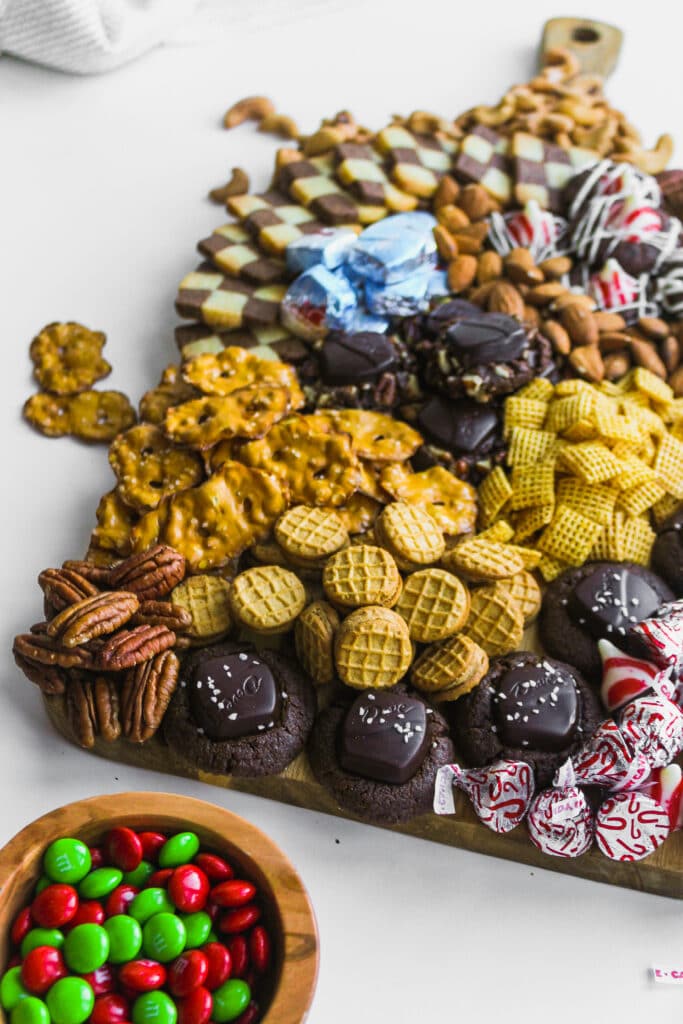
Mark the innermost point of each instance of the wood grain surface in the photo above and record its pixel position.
(287, 909)
(595, 44)
(661, 873)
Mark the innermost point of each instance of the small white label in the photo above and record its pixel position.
(668, 975)
(566, 808)
(444, 801)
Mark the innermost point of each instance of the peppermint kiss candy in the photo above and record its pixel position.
(613, 288)
(607, 760)
(663, 635)
(665, 785)
(630, 826)
(638, 220)
(624, 678)
(533, 228)
(654, 726)
(560, 822)
(500, 792)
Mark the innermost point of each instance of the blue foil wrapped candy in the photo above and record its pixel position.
(328, 248)
(394, 248)
(319, 299)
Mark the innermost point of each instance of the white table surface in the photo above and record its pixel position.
(102, 186)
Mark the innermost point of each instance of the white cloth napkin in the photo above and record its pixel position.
(86, 36)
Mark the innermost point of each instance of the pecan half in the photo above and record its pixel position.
(97, 574)
(45, 650)
(92, 705)
(151, 574)
(95, 616)
(63, 587)
(131, 647)
(49, 678)
(145, 696)
(162, 613)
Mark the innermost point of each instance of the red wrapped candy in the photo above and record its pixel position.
(500, 792)
(560, 822)
(653, 726)
(608, 760)
(624, 678)
(662, 635)
(630, 826)
(665, 785)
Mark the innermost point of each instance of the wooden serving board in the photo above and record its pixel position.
(661, 873)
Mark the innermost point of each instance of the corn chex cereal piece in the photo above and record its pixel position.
(564, 413)
(582, 430)
(633, 473)
(664, 508)
(530, 520)
(416, 162)
(612, 426)
(528, 446)
(523, 412)
(638, 540)
(494, 493)
(638, 499)
(529, 556)
(500, 532)
(596, 501)
(483, 158)
(533, 485)
(570, 536)
(550, 568)
(538, 390)
(652, 385)
(648, 420)
(592, 461)
(668, 464)
(610, 545)
(230, 249)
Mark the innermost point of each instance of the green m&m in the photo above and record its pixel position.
(70, 1001)
(154, 1008)
(139, 875)
(150, 902)
(179, 849)
(163, 937)
(230, 1000)
(125, 938)
(67, 860)
(197, 928)
(99, 883)
(41, 937)
(86, 948)
(12, 990)
(30, 1011)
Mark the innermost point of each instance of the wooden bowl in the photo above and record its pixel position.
(287, 908)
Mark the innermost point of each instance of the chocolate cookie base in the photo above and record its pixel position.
(472, 719)
(563, 637)
(381, 803)
(265, 753)
(667, 553)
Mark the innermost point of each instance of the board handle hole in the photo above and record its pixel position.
(585, 34)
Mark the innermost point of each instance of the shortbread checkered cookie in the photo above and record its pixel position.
(359, 169)
(273, 341)
(226, 302)
(273, 219)
(416, 162)
(230, 249)
(542, 169)
(483, 158)
(312, 184)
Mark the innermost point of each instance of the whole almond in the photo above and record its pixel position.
(613, 341)
(644, 354)
(544, 294)
(556, 266)
(529, 276)
(676, 382)
(446, 193)
(574, 299)
(461, 272)
(531, 316)
(653, 327)
(609, 321)
(616, 365)
(476, 202)
(557, 336)
(489, 267)
(521, 257)
(467, 244)
(587, 362)
(504, 298)
(580, 326)
(445, 243)
(670, 351)
(480, 294)
(452, 217)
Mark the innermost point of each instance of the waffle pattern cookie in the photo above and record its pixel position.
(372, 648)
(412, 535)
(267, 598)
(207, 600)
(310, 532)
(495, 622)
(434, 604)
(314, 640)
(450, 669)
(362, 575)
